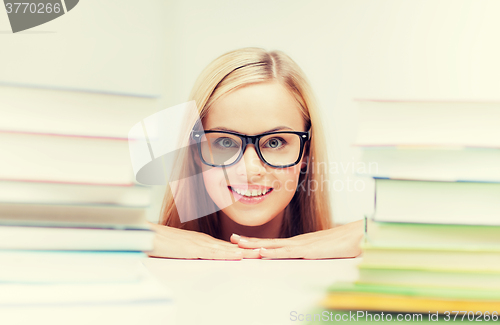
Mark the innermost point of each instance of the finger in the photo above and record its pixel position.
(211, 253)
(235, 238)
(282, 252)
(266, 243)
(216, 243)
(251, 253)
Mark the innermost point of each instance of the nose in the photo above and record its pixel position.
(250, 164)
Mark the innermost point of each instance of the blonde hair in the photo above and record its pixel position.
(308, 211)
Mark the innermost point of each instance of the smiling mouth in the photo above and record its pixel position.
(251, 193)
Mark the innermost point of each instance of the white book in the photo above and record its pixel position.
(69, 215)
(468, 203)
(59, 293)
(68, 267)
(70, 159)
(83, 303)
(470, 124)
(71, 112)
(59, 238)
(431, 163)
(133, 313)
(56, 292)
(67, 193)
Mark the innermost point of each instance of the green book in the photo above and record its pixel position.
(427, 277)
(437, 257)
(421, 235)
(415, 291)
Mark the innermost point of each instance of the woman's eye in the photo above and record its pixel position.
(274, 143)
(225, 142)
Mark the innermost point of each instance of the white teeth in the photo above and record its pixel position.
(251, 193)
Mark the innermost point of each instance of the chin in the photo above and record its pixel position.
(247, 218)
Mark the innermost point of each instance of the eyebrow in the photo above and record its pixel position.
(278, 128)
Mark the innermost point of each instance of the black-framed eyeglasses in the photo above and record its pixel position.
(276, 149)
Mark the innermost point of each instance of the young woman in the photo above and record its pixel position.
(259, 149)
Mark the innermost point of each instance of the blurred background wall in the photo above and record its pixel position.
(390, 49)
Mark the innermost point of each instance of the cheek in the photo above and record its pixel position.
(286, 180)
(216, 187)
(213, 178)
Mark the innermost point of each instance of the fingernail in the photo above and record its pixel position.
(256, 249)
(263, 250)
(243, 240)
(237, 237)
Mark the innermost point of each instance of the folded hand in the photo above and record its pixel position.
(339, 242)
(179, 243)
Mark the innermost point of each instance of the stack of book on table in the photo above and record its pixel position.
(73, 221)
(432, 247)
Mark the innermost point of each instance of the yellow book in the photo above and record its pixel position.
(349, 296)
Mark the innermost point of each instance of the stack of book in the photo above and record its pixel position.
(432, 246)
(72, 216)
(66, 181)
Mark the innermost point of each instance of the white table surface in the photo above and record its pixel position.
(252, 292)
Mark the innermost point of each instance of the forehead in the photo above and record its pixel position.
(255, 109)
